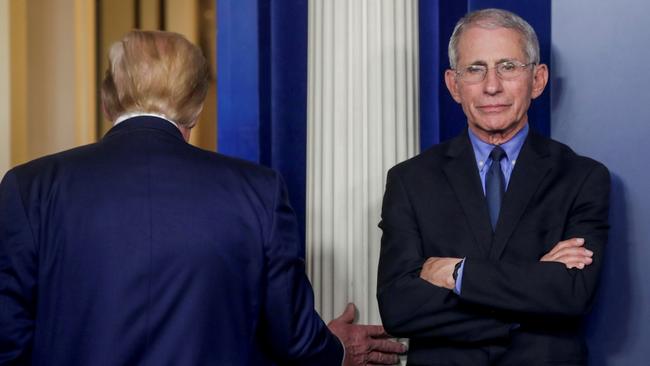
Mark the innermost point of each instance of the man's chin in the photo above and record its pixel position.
(494, 128)
(500, 127)
(496, 133)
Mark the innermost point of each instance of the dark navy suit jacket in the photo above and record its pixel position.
(144, 250)
(513, 309)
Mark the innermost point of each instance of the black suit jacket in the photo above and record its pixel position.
(144, 250)
(513, 309)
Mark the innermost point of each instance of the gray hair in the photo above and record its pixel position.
(492, 19)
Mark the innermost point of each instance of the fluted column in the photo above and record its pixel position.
(362, 120)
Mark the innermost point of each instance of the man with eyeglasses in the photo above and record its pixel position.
(493, 241)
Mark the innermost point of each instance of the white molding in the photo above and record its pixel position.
(362, 119)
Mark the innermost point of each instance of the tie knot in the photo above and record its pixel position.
(497, 153)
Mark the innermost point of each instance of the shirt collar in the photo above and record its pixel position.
(512, 147)
(126, 116)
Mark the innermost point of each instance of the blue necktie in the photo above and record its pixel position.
(495, 185)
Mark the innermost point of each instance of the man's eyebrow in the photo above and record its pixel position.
(483, 63)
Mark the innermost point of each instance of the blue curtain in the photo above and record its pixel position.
(262, 80)
(262, 87)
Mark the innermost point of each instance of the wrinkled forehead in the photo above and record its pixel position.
(490, 45)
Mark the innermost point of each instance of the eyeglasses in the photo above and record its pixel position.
(506, 70)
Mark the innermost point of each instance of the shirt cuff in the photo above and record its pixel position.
(459, 278)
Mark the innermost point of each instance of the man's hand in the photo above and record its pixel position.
(364, 344)
(571, 253)
(439, 271)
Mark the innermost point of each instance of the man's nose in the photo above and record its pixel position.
(492, 83)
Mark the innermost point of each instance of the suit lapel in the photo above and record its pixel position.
(532, 165)
(462, 173)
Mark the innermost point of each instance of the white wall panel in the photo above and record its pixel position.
(362, 120)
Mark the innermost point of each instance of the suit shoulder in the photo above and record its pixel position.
(430, 158)
(567, 155)
(237, 165)
(236, 170)
(47, 164)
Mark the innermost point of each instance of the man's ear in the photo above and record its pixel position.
(105, 111)
(540, 78)
(452, 86)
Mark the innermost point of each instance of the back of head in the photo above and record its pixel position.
(155, 72)
(491, 19)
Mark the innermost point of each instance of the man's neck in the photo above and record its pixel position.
(497, 137)
(184, 130)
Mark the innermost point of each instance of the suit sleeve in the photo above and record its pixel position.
(292, 327)
(410, 306)
(548, 287)
(17, 276)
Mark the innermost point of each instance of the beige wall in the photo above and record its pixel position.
(183, 17)
(51, 81)
(60, 82)
(85, 72)
(48, 72)
(18, 81)
(116, 19)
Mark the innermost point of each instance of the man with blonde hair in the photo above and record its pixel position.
(144, 250)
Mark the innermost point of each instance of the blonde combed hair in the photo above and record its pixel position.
(155, 72)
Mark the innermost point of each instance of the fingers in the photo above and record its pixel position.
(376, 331)
(576, 260)
(378, 358)
(438, 271)
(564, 254)
(348, 314)
(563, 245)
(575, 252)
(365, 344)
(368, 350)
(570, 243)
(386, 346)
(427, 267)
(571, 253)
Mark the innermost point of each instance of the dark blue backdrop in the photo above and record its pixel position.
(262, 85)
(262, 88)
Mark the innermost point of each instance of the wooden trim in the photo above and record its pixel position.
(149, 16)
(18, 77)
(162, 19)
(136, 14)
(5, 86)
(85, 71)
